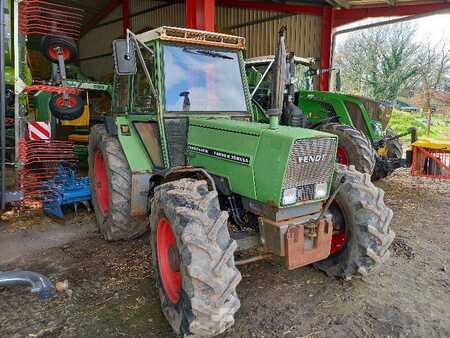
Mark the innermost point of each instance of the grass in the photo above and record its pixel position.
(401, 121)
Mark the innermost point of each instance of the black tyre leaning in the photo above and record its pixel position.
(367, 222)
(63, 112)
(359, 151)
(49, 42)
(208, 299)
(117, 224)
(394, 150)
(394, 147)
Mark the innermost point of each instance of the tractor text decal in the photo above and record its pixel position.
(220, 154)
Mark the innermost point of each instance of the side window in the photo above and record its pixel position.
(120, 95)
(143, 99)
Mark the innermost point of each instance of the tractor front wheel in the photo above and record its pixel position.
(110, 178)
(361, 232)
(193, 259)
(353, 148)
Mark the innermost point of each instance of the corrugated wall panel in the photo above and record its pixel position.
(260, 28)
(98, 41)
(173, 15)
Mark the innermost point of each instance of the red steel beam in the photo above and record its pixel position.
(325, 47)
(112, 5)
(125, 16)
(276, 7)
(201, 14)
(346, 16)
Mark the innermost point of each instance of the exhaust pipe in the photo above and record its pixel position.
(40, 284)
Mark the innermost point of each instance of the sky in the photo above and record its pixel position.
(435, 28)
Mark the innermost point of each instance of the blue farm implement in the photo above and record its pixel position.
(66, 189)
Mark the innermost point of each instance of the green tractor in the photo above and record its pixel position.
(354, 119)
(183, 156)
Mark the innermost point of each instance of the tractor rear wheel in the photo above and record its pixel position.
(361, 232)
(193, 259)
(110, 178)
(353, 148)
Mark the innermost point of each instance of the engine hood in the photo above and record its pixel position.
(252, 157)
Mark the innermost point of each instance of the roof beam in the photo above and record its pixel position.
(339, 3)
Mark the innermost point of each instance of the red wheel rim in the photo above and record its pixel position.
(53, 53)
(337, 242)
(340, 235)
(101, 183)
(168, 260)
(70, 102)
(342, 157)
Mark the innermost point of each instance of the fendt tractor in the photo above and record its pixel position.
(354, 119)
(183, 156)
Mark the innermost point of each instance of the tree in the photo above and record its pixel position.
(379, 62)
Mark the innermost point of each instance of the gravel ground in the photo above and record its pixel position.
(112, 289)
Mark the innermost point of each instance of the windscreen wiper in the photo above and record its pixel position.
(207, 52)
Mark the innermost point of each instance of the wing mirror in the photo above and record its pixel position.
(124, 57)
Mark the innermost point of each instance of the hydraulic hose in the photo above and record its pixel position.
(40, 284)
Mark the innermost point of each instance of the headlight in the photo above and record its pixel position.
(321, 190)
(289, 196)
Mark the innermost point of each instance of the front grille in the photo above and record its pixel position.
(311, 162)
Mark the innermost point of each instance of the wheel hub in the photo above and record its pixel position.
(53, 52)
(174, 259)
(340, 236)
(168, 260)
(341, 155)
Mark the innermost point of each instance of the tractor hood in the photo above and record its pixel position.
(259, 162)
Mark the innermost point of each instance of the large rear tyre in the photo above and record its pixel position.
(193, 260)
(353, 148)
(110, 178)
(361, 234)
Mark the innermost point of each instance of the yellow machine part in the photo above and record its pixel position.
(382, 151)
(432, 144)
(82, 121)
(78, 138)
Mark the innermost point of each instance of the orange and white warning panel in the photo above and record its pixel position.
(39, 130)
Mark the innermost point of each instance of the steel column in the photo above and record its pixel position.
(125, 16)
(201, 14)
(326, 46)
(2, 100)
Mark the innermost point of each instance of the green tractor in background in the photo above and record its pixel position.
(363, 141)
(183, 156)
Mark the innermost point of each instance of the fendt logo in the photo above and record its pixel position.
(311, 158)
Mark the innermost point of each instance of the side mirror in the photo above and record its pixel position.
(124, 57)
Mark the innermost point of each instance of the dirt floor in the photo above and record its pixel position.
(112, 288)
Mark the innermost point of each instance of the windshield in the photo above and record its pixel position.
(203, 80)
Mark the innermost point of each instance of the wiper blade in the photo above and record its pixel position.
(207, 52)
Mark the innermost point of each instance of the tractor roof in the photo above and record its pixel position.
(268, 58)
(193, 36)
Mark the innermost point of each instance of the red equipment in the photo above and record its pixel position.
(38, 17)
(431, 159)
